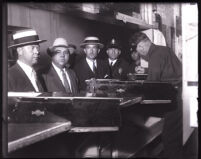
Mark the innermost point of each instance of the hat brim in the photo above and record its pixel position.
(114, 46)
(50, 49)
(99, 45)
(27, 43)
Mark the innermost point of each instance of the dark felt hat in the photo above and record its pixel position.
(114, 43)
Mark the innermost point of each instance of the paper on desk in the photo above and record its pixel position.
(23, 94)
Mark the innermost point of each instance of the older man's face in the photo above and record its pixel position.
(29, 54)
(60, 57)
(91, 51)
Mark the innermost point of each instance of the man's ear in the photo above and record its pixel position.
(84, 50)
(119, 52)
(98, 50)
(19, 50)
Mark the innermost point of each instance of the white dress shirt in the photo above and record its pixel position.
(112, 61)
(29, 71)
(90, 63)
(59, 72)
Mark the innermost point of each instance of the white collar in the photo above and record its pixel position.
(113, 61)
(90, 62)
(57, 68)
(26, 68)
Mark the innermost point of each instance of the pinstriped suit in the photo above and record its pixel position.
(54, 83)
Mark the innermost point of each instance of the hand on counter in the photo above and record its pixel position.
(139, 69)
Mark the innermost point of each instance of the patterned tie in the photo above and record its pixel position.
(66, 84)
(40, 88)
(94, 67)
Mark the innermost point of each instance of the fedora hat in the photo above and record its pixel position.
(91, 40)
(25, 37)
(58, 42)
(114, 43)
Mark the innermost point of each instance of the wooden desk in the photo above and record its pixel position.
(24, 134)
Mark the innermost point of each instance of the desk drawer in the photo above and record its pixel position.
(79, 111)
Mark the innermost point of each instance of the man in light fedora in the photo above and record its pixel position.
(118, 66)
(60, 78)
(91, 67)
(22, 77)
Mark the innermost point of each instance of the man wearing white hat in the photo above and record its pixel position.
(60, 78)
(22, 77)
(91, 67)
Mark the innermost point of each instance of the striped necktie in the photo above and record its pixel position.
(66, 83)
(40, 88)
(94, 67)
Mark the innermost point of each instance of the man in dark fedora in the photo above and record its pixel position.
(22, 77)
(60, 78)
(118, 66)
(91, 67)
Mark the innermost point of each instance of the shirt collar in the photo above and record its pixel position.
(57, 68)
(113, 61)
(26, 68)
(90, 61)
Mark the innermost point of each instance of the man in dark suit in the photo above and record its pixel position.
(164, 66)
(163, 63)
(60, 78)
(91, 67)
(22, 77)
(118, 66)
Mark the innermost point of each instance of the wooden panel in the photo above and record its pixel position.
(18, 15)
(20, 135)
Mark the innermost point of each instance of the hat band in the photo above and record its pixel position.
(91, 41)
(26, 39)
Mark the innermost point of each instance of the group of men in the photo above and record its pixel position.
(163, 64)
(59, 77)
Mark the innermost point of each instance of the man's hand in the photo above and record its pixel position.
(139, 69)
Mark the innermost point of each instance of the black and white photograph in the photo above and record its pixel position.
(100, 80)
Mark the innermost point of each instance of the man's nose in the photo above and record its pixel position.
(62, 54)
(36, 51)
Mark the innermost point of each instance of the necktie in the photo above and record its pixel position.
(37, 82)
(94, 67)
(110, 69)
(66, 84)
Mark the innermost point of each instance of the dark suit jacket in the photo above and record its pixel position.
(84, 72)
(54, 84)
(163, 64)
(19, 82)
(119, 70)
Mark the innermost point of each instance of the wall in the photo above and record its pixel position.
(169, 13)
(190, 68)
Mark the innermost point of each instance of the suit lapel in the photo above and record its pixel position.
(72, 81)
(27, 83)
(55, 79)
(88, 69)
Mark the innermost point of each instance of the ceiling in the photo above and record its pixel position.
(103, 12)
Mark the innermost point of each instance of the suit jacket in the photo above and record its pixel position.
(84, 72)
(54, 84)
(19, 82)
(119, 70)
(163, 64)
